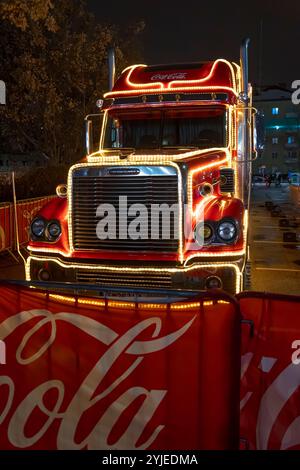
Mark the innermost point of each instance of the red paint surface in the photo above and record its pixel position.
(193, 381)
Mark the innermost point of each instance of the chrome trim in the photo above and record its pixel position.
(111, 68)
(143, 170)
(171, 245)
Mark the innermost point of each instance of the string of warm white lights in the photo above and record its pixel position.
(194, 84)
(141, 270)
(162, 162)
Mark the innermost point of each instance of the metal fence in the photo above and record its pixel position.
(6, 227)
(26, 210)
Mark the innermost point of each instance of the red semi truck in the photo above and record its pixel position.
(172, 136)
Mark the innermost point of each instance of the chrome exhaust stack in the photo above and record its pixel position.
(88, 135)
(244, 70)
(111, 68)
(245, 99)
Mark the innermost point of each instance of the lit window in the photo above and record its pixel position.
(275, 111)
(274, 140)
(291, 139)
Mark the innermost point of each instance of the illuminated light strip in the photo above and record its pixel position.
(162, 162)
(245, 228)
(99, 157)
(148, 87)
(136, 270)
(48, 250)
(246, 220)
(141, 85)
(227, 126)
(141, 305)
(220, 254)
(84, 165)
(159, 158)
(126, 269)
(201, 168)
(127, 163)
(103, 127)
(130, 67)
(103, 303)
(206, 303)
(62, 298)
(96, 156)
(238, 76)
(111, 94)
(233, 127)
(226, 253)
(144, 305)
(201, 80)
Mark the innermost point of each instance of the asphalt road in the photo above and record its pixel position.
(275, 263)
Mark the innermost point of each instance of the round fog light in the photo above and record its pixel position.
(207, 232)
(43, 275)
(203, 233)
(213, 282)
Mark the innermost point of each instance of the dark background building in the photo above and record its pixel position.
(282, 131)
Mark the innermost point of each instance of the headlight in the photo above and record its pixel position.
(54, 230)
(38, 226)
(203, 233)
(227, 231)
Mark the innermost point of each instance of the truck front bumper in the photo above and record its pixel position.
(197, 276)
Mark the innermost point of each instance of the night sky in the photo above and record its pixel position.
(201, 30)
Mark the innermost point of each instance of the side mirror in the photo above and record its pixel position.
(92, 137)
(258, 132)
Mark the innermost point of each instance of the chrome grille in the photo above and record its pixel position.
(124, 279)
(93, 186)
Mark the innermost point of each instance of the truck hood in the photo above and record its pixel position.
(173, 154)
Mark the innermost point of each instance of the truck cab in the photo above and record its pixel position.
(162, 202)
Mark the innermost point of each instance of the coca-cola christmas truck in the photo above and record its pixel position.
(163, 201)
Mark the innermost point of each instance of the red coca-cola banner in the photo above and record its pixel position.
(270, 384)
(94, 374)
(6, 227)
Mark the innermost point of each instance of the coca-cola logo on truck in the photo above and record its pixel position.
(169, 76)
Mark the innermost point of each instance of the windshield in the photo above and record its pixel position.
(153, 129)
